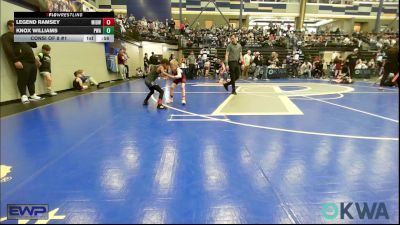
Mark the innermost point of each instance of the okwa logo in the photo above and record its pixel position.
(363, 210)
(4, 171)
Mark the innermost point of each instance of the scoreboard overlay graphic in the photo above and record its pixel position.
(64, 27)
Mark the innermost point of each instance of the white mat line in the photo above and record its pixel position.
(353, 109)
(287, 130)
(197, 120)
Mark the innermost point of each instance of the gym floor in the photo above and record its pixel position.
(275, 153)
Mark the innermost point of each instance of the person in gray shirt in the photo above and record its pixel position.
(233, 58)
(192, 64)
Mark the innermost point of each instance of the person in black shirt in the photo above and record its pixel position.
(153, 59)
(257, 60)
(20, 54)
(146, 63)
(391, 64)
(352, 59)
(317, 68)
(172, 26)
(150, 81)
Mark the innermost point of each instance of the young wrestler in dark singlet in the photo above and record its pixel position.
(150, 81)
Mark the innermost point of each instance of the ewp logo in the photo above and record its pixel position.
(331, 211)
(27, 212)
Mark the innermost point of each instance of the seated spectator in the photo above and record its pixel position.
(121, 26)
(371, 64)
(317, 69)
(346, 41)
(325, 69)
(81, 78)
(360, 65)
(274, 60)
(139, 72)
(305, 69)
(207, 66)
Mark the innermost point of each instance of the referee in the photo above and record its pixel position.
(233, 58)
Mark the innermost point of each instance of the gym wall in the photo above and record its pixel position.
(159, 49)
(66, 58)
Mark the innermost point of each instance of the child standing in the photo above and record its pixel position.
(45, 68)
(179, 76)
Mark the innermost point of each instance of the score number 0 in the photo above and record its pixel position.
(108, 21)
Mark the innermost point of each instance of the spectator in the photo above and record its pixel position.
(360, 65)
(139, 72)
(258, 63)
(120, 25)
(192, 64)
(332, 69)
(200, 64)
(295, 64)
(274, 60)
(247, 62)
(131, 19)
(20, 54)
(317, 68)
(146, 63)
(182, 28)
(126, 57)
(172, 26)
(45, 68)
(204, 54)
(305, 69)
(207, 66)
(81, 78)
(183, 64)
(121, 63)
(171, 57)
(371, 64)
(325, 68)
(153, 59)
(380, 57)
(346, 41)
